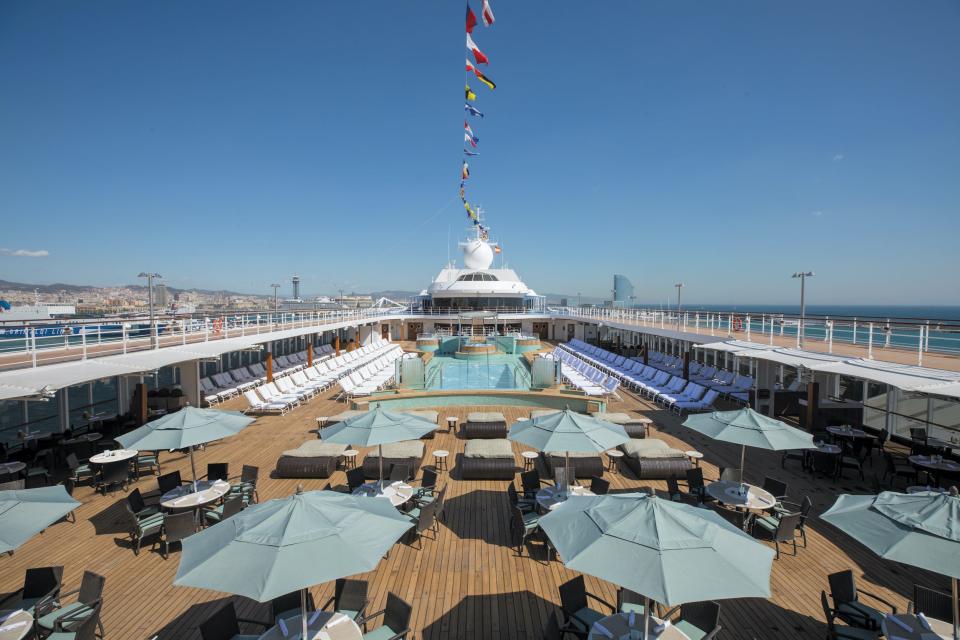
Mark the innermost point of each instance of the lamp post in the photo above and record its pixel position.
(679, 286)
(803, 275)
(153, 326)
(276, 304)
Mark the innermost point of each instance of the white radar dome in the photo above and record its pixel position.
(477, 254)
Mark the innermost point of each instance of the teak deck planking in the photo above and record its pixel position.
(466, 581)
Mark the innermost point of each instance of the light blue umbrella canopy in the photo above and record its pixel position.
(184, 429)
(377, 428)
(667, 551)
(26, 512)
(918, 529)
(279, 546)
(748, 428)
(567, 431)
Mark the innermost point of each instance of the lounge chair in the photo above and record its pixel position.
(396, 620)
(312, 459)
(484, 424)
(649, 458)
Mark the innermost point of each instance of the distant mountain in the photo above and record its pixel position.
(58, 287)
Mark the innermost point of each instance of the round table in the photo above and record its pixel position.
(350, 458)
(935, 465)
(86, 437)
(440, 459)
(909, 627)
(823, 447)
(322, 421)
(528, 459)
(620, 625)
(185, 497)
(12, 467)
(612, 456)
(848, 432)
(755, 499)
(15, 625)
(694, 456)
(451, 424)
(396, 492)
(322, 625)
(117, 455)
(549, 498)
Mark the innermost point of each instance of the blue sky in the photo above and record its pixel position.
(727, 145)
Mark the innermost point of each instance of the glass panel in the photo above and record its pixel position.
(851, 389)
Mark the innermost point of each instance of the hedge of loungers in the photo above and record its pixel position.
(488, 459)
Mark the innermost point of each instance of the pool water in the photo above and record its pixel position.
(500, 372)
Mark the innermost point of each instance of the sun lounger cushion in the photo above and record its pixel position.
(314, 448)
(485, 416)
(488, 449)
(405, 449)
(650, 448)
(635, 426)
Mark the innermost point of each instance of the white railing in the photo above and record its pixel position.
(919, 336)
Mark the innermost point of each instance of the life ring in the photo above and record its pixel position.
(217, 325)
(737, 323)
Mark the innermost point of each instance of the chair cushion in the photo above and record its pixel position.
(690, 631)
(855, 633)
(488, 449)
(859, 611)
(588, 616)
(380, 633)
(316, 449)
(405, 449)
(74, 608)
(485, 416)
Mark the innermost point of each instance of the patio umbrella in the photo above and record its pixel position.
(279, 546)
(567, 431)
(918, 529)
(377, 427)
(26, 512)
(185, 429)
(666, 551)
(748, 428)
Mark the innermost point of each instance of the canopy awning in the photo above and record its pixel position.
(791, 357)
(735, 346)
(903, 376)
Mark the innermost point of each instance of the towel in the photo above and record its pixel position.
(602, 630)
(900, 623)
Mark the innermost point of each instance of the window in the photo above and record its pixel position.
(477, 277)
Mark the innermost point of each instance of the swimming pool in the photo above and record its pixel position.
(501, 372)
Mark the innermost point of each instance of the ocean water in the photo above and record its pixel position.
(865, 312)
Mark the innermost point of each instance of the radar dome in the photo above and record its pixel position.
(477, 254)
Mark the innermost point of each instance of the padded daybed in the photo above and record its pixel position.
(650, 458)
(312, 459)
(481, 424)
(585, 465)
(635, 426)
(428, 415)
(488, 460)
(408, 452)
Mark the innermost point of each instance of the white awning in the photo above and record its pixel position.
(903, 376)
(950, 390)
(791, 357)
(735, 346)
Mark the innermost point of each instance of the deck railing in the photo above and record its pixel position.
(814, 332)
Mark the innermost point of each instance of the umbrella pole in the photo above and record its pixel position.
(303, 613)
(193, 470)
(743, 457)
(566, 475)
(956, 608)
(646, 617)
(380, 458)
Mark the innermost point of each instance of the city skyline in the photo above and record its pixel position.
(726, 148)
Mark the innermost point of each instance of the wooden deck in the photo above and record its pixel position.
(465, 583)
